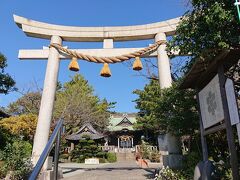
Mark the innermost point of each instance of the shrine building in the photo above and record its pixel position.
(119, 136)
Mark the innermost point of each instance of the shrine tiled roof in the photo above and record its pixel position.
(88, 130)
(119, 123)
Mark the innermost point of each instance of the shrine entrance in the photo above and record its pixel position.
(56, 51)
(126, 141)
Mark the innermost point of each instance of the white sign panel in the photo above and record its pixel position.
(232, 102)
(211, 103)
(92, 161)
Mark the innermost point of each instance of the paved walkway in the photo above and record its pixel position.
(114, 171)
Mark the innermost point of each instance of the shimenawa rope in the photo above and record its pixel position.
(112, 59)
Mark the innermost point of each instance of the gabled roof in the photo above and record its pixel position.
(118, 123)
(203, 70)
(88, 130)
(125, 122)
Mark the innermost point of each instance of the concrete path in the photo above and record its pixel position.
(116, 171)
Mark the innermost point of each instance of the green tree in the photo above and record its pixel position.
(168, 110)
(206, 29)
(77, 104)
(86, 148)
(209, 25)
(28, 103)
(6, 82)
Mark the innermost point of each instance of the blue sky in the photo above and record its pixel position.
(119, 87)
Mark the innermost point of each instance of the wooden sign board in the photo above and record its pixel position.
(232, 102)
(211, 103)
(232, 105)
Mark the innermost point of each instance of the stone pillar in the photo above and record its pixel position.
(165, 81)
(170, 153)
(164, 70)
(72, 147)
(132, 141)
(47, 101)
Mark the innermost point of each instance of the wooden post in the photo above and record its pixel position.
(230, 137)
(118, 143)
(203, 138)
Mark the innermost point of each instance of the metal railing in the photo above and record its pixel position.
(55, 137)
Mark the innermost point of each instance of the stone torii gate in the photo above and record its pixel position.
(57, 34)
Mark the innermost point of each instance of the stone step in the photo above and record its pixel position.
(125, 157)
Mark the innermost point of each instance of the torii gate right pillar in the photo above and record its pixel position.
(164, 70)
(168, 143)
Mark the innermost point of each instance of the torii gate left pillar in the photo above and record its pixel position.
(57, 34)
(47, 101)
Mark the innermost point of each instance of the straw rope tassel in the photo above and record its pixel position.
(73, 66)
(137, 64)
(105, 72)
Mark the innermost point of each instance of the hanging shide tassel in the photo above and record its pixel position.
(137, 64)
(73, 66)
(105, 72)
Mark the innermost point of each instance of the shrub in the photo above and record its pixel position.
(155, 156)
(16, 157)
(102, 160)
(223, 171)
(147, 153)
(111, 157)
(101, 154)
(144, 150)
(23, 125)
(90, 141)
(169, 174)
(189, 164)
(5, 137)
(64, 156)
(86, 148)
(2, 171)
